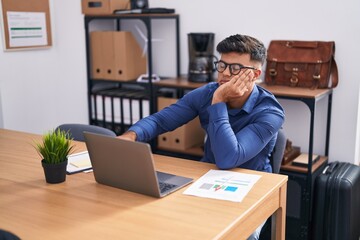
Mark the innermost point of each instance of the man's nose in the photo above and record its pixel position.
(227, 71)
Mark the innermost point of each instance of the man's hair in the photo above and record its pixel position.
(243, 44)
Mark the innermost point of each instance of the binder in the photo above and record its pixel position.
(134, 106)
(129, 61)
(99, 107)
(108, 54)
(119, 108)
(97, 66)
(116, 55)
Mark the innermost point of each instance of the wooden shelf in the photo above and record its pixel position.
(180, 82)
(295, 92)
(316, 165)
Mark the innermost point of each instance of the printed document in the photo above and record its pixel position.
(223, 185)
(27, 29)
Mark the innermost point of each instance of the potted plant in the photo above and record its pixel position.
(54, 148)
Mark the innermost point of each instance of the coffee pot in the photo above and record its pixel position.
(201, 57)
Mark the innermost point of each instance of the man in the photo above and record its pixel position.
(241, 119)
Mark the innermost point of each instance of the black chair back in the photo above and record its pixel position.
(76, 130)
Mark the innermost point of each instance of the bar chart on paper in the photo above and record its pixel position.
(223, 185)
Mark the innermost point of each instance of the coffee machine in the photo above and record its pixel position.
(201, 57)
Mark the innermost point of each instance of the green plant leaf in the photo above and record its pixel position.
(55, 146)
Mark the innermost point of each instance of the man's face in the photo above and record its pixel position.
(241, 60)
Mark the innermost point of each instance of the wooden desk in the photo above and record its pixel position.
(80, 208)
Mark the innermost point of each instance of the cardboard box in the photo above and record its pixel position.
(101, 7)
(184, 137)
(116, 56)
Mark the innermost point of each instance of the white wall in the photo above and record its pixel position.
(1, 113)
(43, 88)
(357, 142)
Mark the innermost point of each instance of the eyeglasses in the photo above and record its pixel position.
(235, 68)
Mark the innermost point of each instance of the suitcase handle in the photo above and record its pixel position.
(330, 168)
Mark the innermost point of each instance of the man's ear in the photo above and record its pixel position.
(257, 73)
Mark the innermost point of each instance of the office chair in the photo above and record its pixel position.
(6, 235)
(278, 151)
(76, 130)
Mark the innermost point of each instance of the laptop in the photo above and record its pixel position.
(129, 165)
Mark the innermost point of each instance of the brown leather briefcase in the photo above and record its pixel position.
(308, 64)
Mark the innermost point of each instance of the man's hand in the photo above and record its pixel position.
(235, 88)
(129, 135)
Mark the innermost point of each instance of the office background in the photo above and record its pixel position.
(40, 89)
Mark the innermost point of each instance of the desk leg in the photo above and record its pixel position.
(279, 217)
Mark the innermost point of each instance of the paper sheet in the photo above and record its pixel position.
(223, 185)
(27, 29)
(78, 162)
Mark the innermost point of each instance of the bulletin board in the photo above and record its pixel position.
(26, 24)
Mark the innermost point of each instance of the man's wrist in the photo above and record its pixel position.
(132, 135)
(129, 135)
(217, 98)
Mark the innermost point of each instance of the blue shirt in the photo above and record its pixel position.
(235, 137)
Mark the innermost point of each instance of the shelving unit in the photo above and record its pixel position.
(139, 91)
(301, 180)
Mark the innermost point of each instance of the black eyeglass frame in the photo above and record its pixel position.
(230, 67)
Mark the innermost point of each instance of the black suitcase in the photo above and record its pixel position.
(336, 208)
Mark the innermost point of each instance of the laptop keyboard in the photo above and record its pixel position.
(165, 186)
